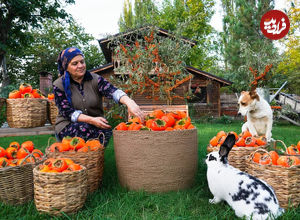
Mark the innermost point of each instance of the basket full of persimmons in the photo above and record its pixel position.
(158, 155)
(16, 165)
(60, 185)
(280, 169)
(87, 153)
(26, 108)
(245, 143)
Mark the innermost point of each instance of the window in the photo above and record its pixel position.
(199, 95)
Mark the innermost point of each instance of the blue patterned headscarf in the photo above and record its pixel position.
(63, 61)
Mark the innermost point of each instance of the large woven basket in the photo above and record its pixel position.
(59, 192)
(26, 113)
(156, 161)
(52, 112)
(92, 160)
(16, 184)
(237, 156)
(284, 180)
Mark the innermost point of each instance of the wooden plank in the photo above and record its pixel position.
(11, 132)
(168, 108)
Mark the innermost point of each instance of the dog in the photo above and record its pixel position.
(259, 114)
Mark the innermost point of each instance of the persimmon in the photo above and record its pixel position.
(94, 144)
(28, 145)
(149, 122)
(68, 160)
(169, 129)
(191, 126)
(122, 126)
(214, 141)
(135, 127)
(2, 152)
(175, 115)
(44, 168)
(261, 141)
(66, 141)
(3, 162)
(298, 146)
(36, 93)
(169, 119)
(27, 95)
(240, 142)
(15, 144)
(246, 134)
(250, 141)
(179, 127)
(22, 153)
(221, 134)
(292, 150)
(158, 113)
(50, 96)
(14, 94)
(221, 140)
(294, 161)
(25, 88)
(83, 149)
(49, 162)
(37, 153)
(11, 152)
(256, 157)
(55, 146)
(59, 165)
(74, 167)
(283, 161)
(158, 125)
(77, 143)
(53, 171)
(274, 157)
(181, 114)
(265, 159)
(135, 120)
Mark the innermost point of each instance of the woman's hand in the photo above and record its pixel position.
(100, 122)
(133, 108)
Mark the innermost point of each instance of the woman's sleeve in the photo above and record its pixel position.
(64, 107)
(108, 90)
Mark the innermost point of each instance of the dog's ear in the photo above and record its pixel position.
(243, 92)
(254, 95)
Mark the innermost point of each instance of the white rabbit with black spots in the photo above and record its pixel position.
(248, 196)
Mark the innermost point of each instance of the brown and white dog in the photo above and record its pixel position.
(259, 114)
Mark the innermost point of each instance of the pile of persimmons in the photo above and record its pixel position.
(26, 91)
(290, 158)
(245, 139)
(17, 155)
(77, 144)
(158, 120)
(59, 165)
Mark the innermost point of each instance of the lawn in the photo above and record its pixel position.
(114, 202)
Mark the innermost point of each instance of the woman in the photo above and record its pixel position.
(78, 95)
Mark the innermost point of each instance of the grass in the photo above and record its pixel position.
(114, 202)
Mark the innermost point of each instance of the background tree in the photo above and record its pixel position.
(290, 65)
(41, 55)
(183, 18)
(17, 18)
(244, 44)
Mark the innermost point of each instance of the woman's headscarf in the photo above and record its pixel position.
(63, 61)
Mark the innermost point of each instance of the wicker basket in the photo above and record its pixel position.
(237, 155)
(16, 184)
(284, 180)
(92, 160)
(59, 192)
(52, 112)
(26, 113)
(156, 161)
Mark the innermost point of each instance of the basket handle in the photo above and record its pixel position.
(275, 146)
(49, 139)
(29, 155)
(102, 134)
(260, 149)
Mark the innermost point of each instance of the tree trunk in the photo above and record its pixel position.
(3, 71)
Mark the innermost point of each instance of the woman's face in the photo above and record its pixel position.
(77, 67)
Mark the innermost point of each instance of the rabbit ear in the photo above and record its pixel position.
(226, 147)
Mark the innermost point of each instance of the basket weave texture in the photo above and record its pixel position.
(52, 112)
(237, 156)
(92, 160)
(284, 180)
(59, 192)
(16, 184)
(26, 113)
(156, 161)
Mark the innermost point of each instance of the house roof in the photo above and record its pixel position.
(107, 49)
(194, 71)
(108, 67)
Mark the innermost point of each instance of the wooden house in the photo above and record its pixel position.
(205, 86)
